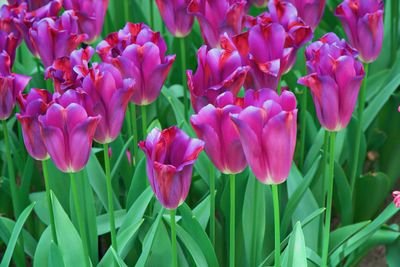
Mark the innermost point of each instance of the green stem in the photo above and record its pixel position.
(328, 214)
(255, 219)
(359, 130)
(144, 121)
(232, 222)
(110, 198)
(49, 204)
(134, 133)
(324, 185)
(277, 231)
(183, 67)
(11, 173)
(212, 205)
(152, 15)
(126, 10)
(303, 131)
(81, 223)
(173, 239)
(279, 88)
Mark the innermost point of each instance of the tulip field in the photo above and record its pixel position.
(243, 133)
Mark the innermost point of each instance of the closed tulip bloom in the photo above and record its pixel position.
(268, 133)
(109, 97)
(311, 11)
(170, 156)
(334, 77)
(68, 134)
(396, 198)
(218, 70)
(91, 14)
(9, 43)
(218, 17)
(33, 105)
(174, 13)
(53, 39)
(362, 21)
(11, 85)
(214, 126)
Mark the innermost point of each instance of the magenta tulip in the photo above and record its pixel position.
(109, 96)
(214, 126)
(32, 4)
(11, 85)
(334, 77)
(267, 127)
(170, 156)
(218, 17)
(91, 14)
(396, 198)
(68, 134)
(311, 11)
(219, 70)
(9, 43)
(362, 21)
(34, 104)
(176, 17)
(53, 39)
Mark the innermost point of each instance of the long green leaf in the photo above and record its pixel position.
(296, 249)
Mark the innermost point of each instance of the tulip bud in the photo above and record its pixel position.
(9, 43)
(396, 198)
(170, 156)
(174, 13)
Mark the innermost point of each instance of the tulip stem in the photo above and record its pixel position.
(183, 66)
(144, 121)
(303, 116)
(81, 223)
(110, 198)
(324, 185)
(173, 239)
(255, 219)
(328, 214)
(232, 222)
(277, 231)
(361, 105)
(49, 203)
(212, 205)
(134, 133)
(11, 173)
(152, 15)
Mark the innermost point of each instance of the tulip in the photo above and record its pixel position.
(396, 198)
(170, 156)
(362, 21)
(334, 77)
(53, 39)
(32, 4)
(174, 13)
(33, 105)
(311, 11)
(91, 14)
(68, 134)
(9, 43)
(68, 72)
(109, 97)
(218, 17)
(11, 85)
(222, 143)
(268, 133)
(219, 70)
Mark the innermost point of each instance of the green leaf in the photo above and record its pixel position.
(41, 254)
(342, 234)
(296, 249)
(138, 183)
(103, 221)
(120, 156)
(202, 212)
(315, 150)
(15, 234)
(55, 256)
(343, 193)
(117, 258)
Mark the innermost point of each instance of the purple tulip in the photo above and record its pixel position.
(11, 85)
(219, 70)
(214, 126)
(139, 53)
(109, 96)
(53, 39)
(34, 104)
(9, 43)
(218, 17)
(68, 72)
(68, 132)
(267, 127)
(362, 21)
(174, 13)
(170, 156)
(32, 4)
(311, 11)
(334, 77)
(91, 14)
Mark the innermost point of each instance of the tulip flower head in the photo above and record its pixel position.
(362, 21)
(68, 132)
(176, 17)
(11, 85)
(218, 70)
(311, 11)
(267, 127)
(9, 43)
(33, 105)
(396, 198)
(334, 77)
(170, 156)
(214, 126)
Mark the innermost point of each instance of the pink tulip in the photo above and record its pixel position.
(267, 127)
(311, 11)
(396, 198)
(176, 17)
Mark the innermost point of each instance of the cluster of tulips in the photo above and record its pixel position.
(255, 127)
